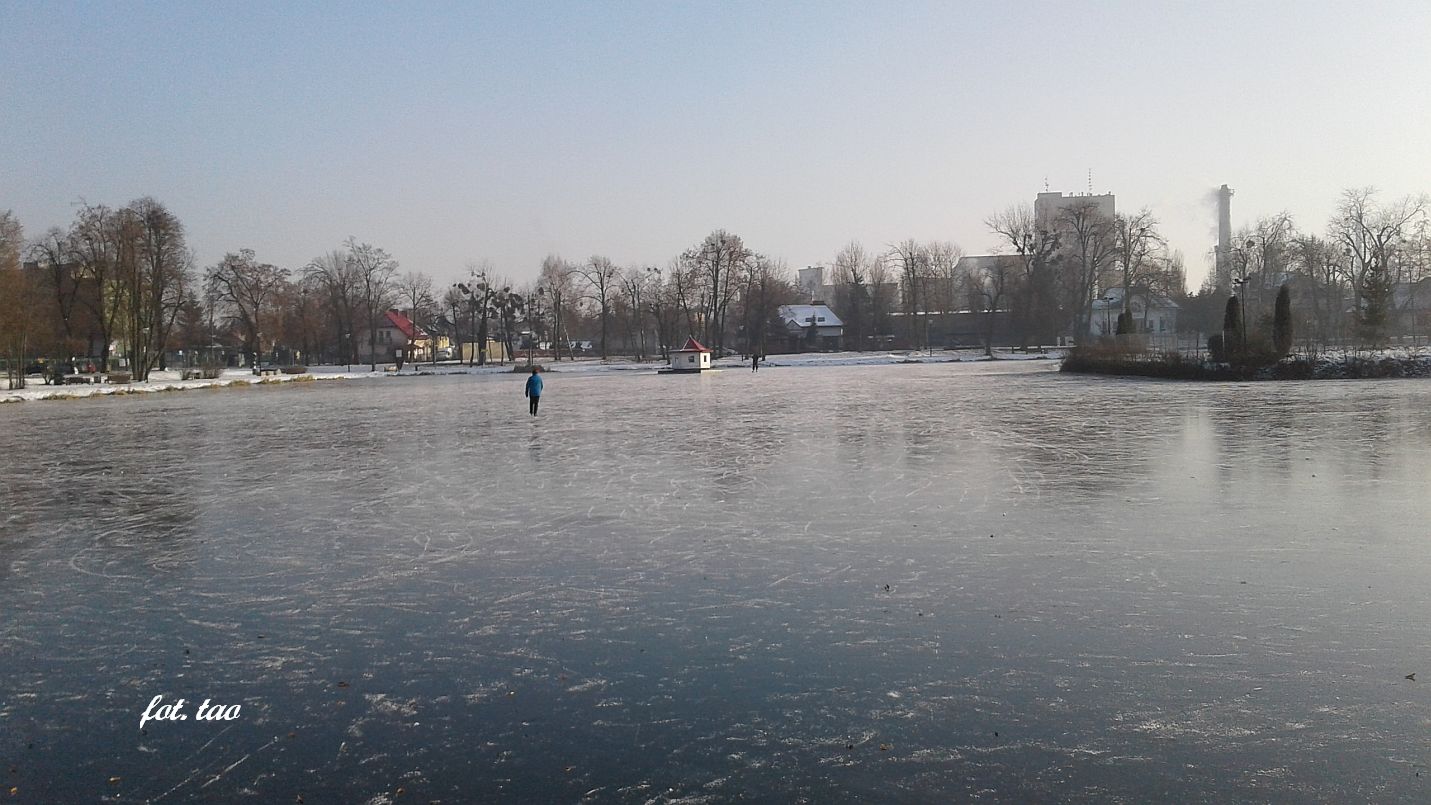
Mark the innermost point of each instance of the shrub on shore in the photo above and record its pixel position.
(1176, 366)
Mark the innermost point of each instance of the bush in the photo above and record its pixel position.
(1216, 349)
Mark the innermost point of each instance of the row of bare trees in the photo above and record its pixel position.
(1043, 277)
(115, 275)
(719, 291)
(125, 278)
(1364, 280)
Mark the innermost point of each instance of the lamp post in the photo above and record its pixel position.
(1350, 274)
(1241, 313)
(536, 320)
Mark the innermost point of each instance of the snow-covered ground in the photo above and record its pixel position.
(169, 380)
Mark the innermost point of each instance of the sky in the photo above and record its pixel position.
(451, 134)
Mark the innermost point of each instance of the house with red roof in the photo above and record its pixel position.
(396, 331)
(690, 358)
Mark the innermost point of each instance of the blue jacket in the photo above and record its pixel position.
(534, 386)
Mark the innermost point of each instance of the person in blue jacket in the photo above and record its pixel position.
(533, 391)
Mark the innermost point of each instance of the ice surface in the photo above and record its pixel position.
(901, 583)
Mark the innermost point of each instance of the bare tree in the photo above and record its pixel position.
(1087, 248)
(374, 269)
(509, 307)
(480, 291)
(342, 289)
(54, 256)
(600, 278)
(1372, 234)
(911, 261)
(882, 298)
(19, 294)
(248, 290)
(95, 250)
(716, 265)
(556, 278)
(852, 293)
(1316, 260)
(989, 288)
(453, 304)
(156, 270)
(1035, 245)
(766, 286)
(415, 290)
(662, 304)
(635, 284)
(1137, 240)
(688, 296)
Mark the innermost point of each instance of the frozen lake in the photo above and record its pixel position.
(899, 583)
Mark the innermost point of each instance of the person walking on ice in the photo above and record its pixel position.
(533, 391)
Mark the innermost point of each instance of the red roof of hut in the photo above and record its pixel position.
(692, 345)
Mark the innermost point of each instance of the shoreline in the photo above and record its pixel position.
(167, 381)
(1171, 366)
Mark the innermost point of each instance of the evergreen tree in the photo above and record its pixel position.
(1376, 306)
(1282, 321)
(1125, 323)
(1232, 340)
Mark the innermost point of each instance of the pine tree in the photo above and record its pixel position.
(1232, 340)
(1282, 321)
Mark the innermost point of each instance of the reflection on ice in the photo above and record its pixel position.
(906, 583)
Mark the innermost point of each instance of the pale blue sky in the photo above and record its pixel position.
(448, 133)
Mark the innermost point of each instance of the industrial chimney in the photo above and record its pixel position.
(1223, 253)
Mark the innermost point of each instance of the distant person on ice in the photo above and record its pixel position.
(755, 362)
(533, 391)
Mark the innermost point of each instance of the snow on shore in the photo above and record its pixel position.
(169, 380)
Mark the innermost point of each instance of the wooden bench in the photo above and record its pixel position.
(264, 371)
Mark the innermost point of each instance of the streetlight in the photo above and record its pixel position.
(536, 319)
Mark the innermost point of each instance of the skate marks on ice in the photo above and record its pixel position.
(902, 583)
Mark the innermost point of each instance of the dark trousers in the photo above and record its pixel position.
(535, 399)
